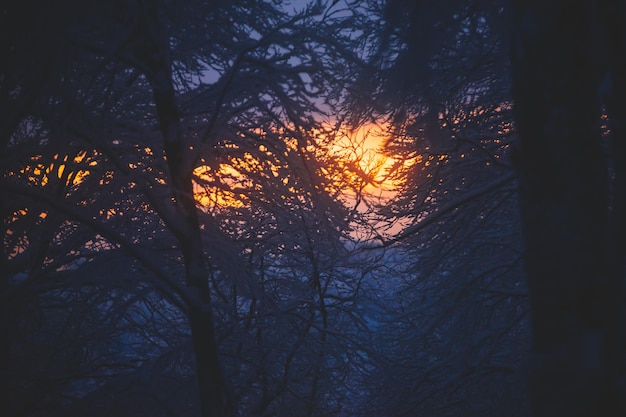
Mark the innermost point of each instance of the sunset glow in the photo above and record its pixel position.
(41, 173)
(359, 154)
(207, 194)
(364, 147)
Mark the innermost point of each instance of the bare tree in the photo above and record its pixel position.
(456, 321)
(93, 188)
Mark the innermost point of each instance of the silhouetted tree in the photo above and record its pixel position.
(114, 112)
(457, 324)
(568, 65)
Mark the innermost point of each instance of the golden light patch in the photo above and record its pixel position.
(62, 168)
(364, 147)
(208, 195)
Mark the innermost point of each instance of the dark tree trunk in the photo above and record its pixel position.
(568, 202)
(613, 15)
(213, 394)
(153, 51)
(5, 336)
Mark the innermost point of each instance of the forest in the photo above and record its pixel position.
(307, 208)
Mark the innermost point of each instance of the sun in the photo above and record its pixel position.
(352, 160)
(364, 147)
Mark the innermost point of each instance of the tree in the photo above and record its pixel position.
(235, 84)
(456, 327)
(572, 191)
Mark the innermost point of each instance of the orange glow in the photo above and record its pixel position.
(58, 169)
(208, 196)
(364, 146)
(356, 161)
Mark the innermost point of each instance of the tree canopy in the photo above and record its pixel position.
(194, 220)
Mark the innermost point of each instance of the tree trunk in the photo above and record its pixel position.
(5, 335)
(566, 200)
(154, 53)
(613, 14)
